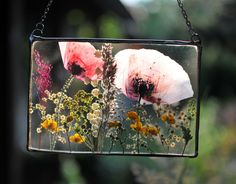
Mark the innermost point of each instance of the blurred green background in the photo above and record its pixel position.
(161, 19)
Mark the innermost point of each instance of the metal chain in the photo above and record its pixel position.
(194, 35)
(39, 27)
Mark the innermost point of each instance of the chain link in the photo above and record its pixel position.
(194, 35)
(39, 27)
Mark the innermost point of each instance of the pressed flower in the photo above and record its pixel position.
(172, 145)
(59, 94)
(97, 113)
(144, 130)
(50, 97)
(150, 130)
(80, 60)
(31, 110)
(95, 121)
(61, 139)
(42, 75)
(44, 99)
(95, 106)
(49, 124)
(95, 92)
(171, 119)
(54, 116)
(38, 106)
(90, 116)
(137, 126)
(164, 117)
(56, 101)
(54, 95)
(153, 130)
(39, 130)
(61, 129)
(114, 124)
(43, 113)
(56, 110)
(149, 76)
(69, 118)
(63, 118)
(132, 115)
(77, 138)
(167, 141)
(168, 118)
(94, 127)
(48, 116)
(178, 139)
(61, 106)
(95, 133)
(47, 92)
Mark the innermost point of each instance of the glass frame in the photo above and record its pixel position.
(33, 39)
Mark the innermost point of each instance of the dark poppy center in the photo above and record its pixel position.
(142, 87)
(76, 69)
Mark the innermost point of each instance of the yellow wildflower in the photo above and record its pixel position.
(49, 124)
(77, 138)
(171, 119)
(153, 130)
(164, 117)
(144, 130)
(150, 130)
(114, 124)
(137, 126)
(133, 115)
(168, 118)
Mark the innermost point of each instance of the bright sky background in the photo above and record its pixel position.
(131, 2)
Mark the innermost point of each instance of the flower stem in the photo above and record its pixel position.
(68, 139)
(139, 100)
(40, 140)
(50, 140)
(112, 144)
(185, 145)
(138, 142)
(122, 146)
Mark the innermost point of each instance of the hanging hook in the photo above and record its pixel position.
(196, 38)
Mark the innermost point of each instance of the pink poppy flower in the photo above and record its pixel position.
(147, 75)
(80, 60)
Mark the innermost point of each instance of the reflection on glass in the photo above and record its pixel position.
(113, 98)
